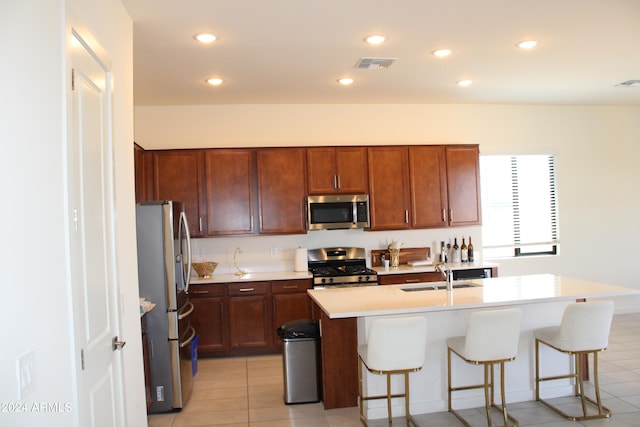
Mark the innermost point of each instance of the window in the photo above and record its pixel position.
(519, 206)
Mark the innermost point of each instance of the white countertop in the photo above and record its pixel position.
(499, 291)
(251, 277)
(404, 268)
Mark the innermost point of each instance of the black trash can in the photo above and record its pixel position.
(301, 361)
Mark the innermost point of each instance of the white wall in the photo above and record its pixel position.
(596, 147)
(36, 312)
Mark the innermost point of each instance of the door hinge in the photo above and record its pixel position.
(73, 79)
(82, 358)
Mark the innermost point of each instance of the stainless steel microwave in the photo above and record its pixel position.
(337, 211)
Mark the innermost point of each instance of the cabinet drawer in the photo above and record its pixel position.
(290, 286)
(250, 288)
(202, 291)
(398, 279)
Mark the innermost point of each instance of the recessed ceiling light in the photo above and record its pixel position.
(527, 44)
(345, 81)
(441, 53)
(464, 83)
(375, 39)
(205, 38)
(214, 81)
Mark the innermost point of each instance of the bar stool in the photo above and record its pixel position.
(584, 329)
(394, 346)
(492, 338)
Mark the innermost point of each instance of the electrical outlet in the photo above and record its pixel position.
(273, 252)
(26, 371)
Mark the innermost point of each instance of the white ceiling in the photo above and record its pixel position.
(293, 51)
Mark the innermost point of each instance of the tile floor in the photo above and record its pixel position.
(242, 392)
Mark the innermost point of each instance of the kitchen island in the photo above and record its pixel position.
(345, 314)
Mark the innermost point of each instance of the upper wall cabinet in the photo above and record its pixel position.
(282, 187)
(230, 194)
(143, 164)
(463, 185)
(444, 186)
(333, 170)
(389, 194)
(179, 175)
(428, 170)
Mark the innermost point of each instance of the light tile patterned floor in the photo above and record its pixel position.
(243, 392)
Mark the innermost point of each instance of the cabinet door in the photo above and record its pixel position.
(428, 186)
(352, 170)
(321, 170)
(389, 188)
(290, 302)
(249, 320)
(333, 170)
(282, 189)
(230, 191)
(463, 185)
(209, 319)
(178, 175)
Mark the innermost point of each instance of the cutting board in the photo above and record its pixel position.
(406, 255)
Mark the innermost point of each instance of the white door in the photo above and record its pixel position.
(92, 258)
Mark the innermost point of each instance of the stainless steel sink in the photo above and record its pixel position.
(436, 286)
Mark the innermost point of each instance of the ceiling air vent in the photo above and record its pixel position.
(375, 63)
(629, 83)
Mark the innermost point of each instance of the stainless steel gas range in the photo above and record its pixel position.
(340, 267)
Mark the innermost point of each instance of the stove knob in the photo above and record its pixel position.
(323, 280)
(330, 279)
(368, 278)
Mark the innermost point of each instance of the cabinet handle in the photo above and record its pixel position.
(412, 280)
(335, 181)
(200, 223)
(450, 214)
(290, 287)
(200, 292)
(406, 216)
(247, 289)
(444, 215)
(339, 184)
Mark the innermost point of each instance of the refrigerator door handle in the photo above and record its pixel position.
(192, 335)
(189, 309)
(187, 267)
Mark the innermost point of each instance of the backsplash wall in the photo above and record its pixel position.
(276, 253)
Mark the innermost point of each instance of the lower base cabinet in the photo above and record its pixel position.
(238, 319)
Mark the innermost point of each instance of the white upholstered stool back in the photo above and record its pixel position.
(394, 344)
(492, 335)
(584, 326)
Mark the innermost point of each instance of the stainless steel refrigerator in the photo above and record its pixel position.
(164, 270)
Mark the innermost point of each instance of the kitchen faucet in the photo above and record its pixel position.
(447, 273)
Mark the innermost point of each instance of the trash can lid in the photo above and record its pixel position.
(301, 328)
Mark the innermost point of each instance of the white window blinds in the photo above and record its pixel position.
(519, 205)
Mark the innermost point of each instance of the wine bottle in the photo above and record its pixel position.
(464, 254)
(449, 252)
(443, 254)
(470, 250)
(456, 250)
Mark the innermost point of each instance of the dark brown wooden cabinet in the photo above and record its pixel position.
(427, 165)
(389, 194)
(337, 170)
(463, 185)
(179, 175)
(408, 278)
(289, 302)
(230, 191)
(282, 184)
(209, 319)
(143, 166)
(249, 315)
